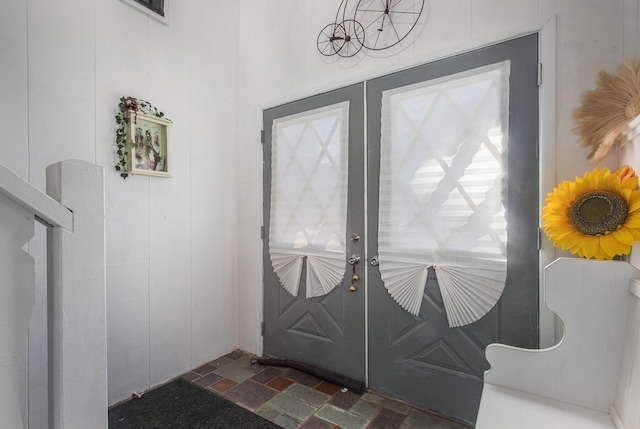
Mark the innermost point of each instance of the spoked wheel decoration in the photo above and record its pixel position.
(331, 39)
(376, 25)
(353, 34)
(387, 22)
(342, 38)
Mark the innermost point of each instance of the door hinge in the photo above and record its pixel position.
(262, 329)
(262, 232)
(262, 136)
(539, 74)
(540, 232)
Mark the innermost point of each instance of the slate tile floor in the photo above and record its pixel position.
(293, 399)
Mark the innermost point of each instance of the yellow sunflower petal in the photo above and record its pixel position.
(630, 183)
(610, 245)
(635, 232)
(624, 236)
(633, 221)
(590, 247)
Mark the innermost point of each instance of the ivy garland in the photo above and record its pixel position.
(122, 120)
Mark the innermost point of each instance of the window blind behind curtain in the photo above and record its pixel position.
(443, 189)
(309, 178)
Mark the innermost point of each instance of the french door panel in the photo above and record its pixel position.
(420, 358)
(326, 331)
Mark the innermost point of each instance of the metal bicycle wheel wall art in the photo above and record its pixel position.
(375, 25)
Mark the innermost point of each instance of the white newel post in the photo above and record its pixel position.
(17, 282)
(77, 300)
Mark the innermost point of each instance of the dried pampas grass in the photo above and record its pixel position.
(606, 111)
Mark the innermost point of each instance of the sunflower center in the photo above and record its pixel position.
(598, 212)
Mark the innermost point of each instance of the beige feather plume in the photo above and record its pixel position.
(606, 111)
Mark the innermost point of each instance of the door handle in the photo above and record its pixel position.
(374, 261)
(353, 259)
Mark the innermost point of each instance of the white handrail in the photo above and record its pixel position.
(45, 208)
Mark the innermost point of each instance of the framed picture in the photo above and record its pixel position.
(156, 9)
(148, 138)
(156, 6)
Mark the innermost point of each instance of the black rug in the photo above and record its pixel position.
(182, 405)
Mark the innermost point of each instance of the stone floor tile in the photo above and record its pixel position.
(341, 417)
(280, 383)
(387, 403)
(387, 419)
(207, 380)
(236, 354)
(328, 388)
(307, 394)
(366, 409)
(314, 422)
(344, 400)
(234, 373)
(204, 369)
(222, 361)
(267, 375)
(223, 385)
(268, 413)
(190, 376)
(251, 394)
(287, 404)
(287, 422)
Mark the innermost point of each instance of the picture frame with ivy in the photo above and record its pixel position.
(148, 144)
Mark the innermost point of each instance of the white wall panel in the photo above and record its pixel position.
(446, 24)
(213, 88)
(61, 79)
(169, 204)
(14, 149)
(491, 15)
(122, 70)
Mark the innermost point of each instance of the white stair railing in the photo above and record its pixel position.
(74, 214)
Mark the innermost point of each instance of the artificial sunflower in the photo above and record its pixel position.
(595, 216)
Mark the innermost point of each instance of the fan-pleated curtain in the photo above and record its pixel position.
(443, 190)
(309, 172)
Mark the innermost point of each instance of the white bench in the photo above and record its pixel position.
(591, 378)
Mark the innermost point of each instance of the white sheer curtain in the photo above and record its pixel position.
(309, 172)
(443, 190)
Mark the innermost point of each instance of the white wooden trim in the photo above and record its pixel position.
(616, 419)
(26, 195)
(547, 163)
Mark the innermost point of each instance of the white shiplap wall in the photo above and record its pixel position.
(170, 257)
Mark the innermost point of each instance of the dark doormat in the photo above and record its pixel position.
(182, 405)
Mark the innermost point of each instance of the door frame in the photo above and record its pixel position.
(547, 32)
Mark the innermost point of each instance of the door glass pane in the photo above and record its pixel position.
(442, 188)
(309, 172)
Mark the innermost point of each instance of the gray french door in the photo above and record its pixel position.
(420, 358)
(327, 331)
(426, 332)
